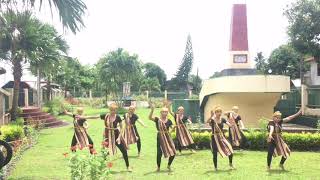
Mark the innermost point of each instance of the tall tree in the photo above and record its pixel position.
(150, 84)
(118, 67)
(284, 60)
(70, 12)
(182, 75)
(24, 39)
(261, 64)
(304, 26)
(196, 82)
(152, 70)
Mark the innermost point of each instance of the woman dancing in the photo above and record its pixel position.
(218, 141)
(131, 134)
(81, 138)
(184, 138)
(276, 144)
(165, 143)
(236, 136)
(113, 137)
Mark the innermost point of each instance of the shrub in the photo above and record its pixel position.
(90, 166)
(257, 140)
(55, 106)
(11, 132)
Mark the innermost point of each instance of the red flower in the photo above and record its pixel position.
(109, 165)
(65, 154)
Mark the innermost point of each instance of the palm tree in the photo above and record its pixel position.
(70, 11)
(24, 39)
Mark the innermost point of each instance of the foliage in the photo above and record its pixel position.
(92, 102)
(150, 84)
(261, 64)
(24, 39)
(11, 132)
(284, 60)
(182, 76)
(70, 12)
(304, 26)
(196, 83)
(55, 106)
(118, 67)
(151, 70)
(89, 167)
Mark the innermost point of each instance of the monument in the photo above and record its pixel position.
(256, 95)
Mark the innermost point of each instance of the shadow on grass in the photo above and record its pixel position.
(120, 172)
(219, 171)
(159, 172)
(277, 171)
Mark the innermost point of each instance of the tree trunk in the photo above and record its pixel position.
(48, 90)
(17, 74)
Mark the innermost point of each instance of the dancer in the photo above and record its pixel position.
(218, 141)
(131, 134)
(165, 143)
(276, 144)
(81, 138)
(184, 138)
(113, 137)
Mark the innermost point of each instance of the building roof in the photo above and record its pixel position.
(23, 85)
(239, 31)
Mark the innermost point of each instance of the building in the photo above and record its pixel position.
(4, 106)
(312, 76)
(256, 95)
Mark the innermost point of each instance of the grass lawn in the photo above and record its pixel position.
(45, 160)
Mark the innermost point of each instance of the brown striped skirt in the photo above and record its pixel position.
(81, 137)
(109, 141)
(183, 135)
(221, 144)
(235, 135)
(130, 135)
(166, 144)
(282, 148)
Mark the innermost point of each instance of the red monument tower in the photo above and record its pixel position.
(239, 61)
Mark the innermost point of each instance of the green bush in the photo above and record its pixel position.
(257, 140)
(11, 132)
(92, 102)
(19, 122)
(90, 166)
(55, 106)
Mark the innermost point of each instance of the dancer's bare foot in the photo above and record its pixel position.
(231, 167)
(158, 169)
(268, 168)
(169, 168)
(193, 151)
(129, 169)
(215, 169)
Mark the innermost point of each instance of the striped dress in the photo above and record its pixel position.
(130, 134)
(80, 133)
(282, 148)
(163, 137)
(111, 133)
(218, 141)
(234, 131)
(183, 135)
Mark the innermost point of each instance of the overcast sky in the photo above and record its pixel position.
(157, 30)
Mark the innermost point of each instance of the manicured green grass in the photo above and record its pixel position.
(45, 160)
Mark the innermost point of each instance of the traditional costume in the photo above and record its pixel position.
(165, 145)
(277, 146)
(131, 135)
(184, 138)
(81, 139)
(111, 134)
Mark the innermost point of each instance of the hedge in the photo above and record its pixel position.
(11, 132)
(257, 140)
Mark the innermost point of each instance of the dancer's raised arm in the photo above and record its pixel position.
(289, 118)
(151, 112)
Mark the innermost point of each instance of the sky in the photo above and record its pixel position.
(157, 31)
